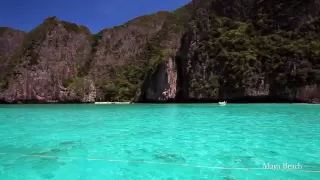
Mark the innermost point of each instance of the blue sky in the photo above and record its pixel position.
(95, 14)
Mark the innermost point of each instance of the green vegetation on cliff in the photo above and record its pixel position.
(3, 30)
(128, 79)
(242, 56)
(75, 28)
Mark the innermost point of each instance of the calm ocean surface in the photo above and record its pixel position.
(159, 142)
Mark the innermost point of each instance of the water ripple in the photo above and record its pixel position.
(234, 136)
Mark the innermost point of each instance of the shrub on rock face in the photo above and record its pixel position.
(110, 92)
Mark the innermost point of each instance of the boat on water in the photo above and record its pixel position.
(223, 103)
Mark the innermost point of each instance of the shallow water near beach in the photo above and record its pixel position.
(159, 141)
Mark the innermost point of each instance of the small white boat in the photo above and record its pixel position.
(223, 103)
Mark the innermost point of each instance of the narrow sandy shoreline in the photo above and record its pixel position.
(113, 103)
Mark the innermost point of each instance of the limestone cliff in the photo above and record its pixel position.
(119, 47)
(10, 41)
(45, 67)
(205, 51)
(246, 51)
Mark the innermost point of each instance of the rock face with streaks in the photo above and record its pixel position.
(117, 48)
(161, 84)
(246, 51)
(45, 67)
(10, 41)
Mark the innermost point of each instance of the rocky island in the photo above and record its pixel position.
(207, 50)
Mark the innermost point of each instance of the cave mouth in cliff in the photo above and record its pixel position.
(3, 102)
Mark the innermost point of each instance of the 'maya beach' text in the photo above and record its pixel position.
(283, 166)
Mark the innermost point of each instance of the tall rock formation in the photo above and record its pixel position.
(246, 50)
(45, 66)
(116, 49)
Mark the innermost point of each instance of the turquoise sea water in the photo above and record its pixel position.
(159, 142)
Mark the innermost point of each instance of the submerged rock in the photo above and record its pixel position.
(172, 158)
